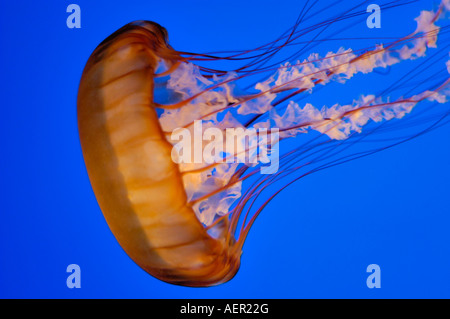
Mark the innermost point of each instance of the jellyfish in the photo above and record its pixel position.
(180, 206)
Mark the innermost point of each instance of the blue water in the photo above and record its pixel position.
(314, 240)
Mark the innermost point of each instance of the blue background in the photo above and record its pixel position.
(314, 240)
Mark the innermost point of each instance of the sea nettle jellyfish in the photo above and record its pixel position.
(179, 207)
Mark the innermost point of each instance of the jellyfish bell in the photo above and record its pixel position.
(184, 217)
